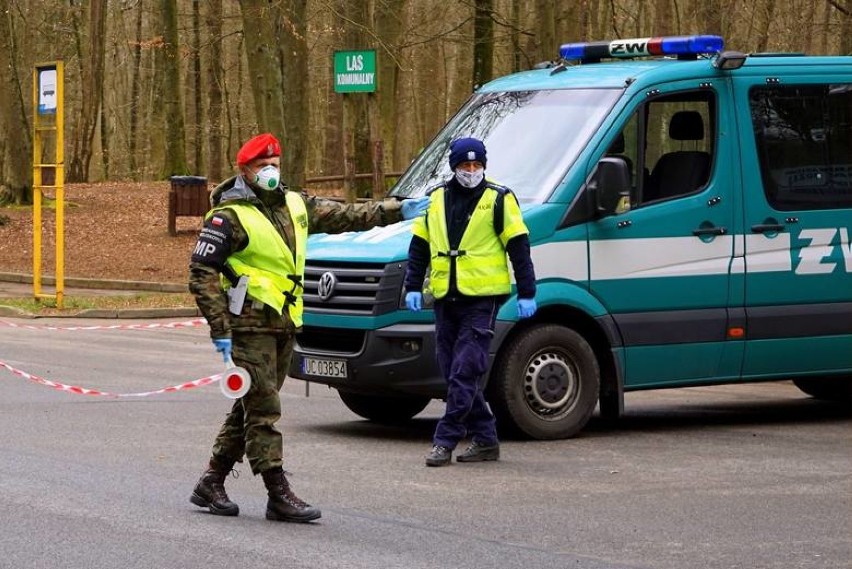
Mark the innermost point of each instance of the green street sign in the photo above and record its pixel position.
(355, 71)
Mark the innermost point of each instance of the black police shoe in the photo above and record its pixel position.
(478, 452)
(439, 456)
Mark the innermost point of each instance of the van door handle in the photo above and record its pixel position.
(704, 231)
(767, 228)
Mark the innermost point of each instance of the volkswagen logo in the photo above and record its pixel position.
(326, 286)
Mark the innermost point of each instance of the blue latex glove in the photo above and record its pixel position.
(414, 301)
(414, 207)
(526, 307)
(223, 346)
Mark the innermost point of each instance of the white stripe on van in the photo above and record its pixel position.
(768, 255)
(560, 260)
(660, 257)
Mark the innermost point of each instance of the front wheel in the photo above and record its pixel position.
(387, 410)
(545, 383)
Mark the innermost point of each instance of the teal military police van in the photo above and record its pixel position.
(690, 212)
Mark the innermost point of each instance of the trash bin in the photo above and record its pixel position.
(188, 196)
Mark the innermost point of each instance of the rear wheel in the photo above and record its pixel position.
(545, 383)
(382, 408)
(837, 389)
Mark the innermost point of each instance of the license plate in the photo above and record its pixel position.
(323, 367)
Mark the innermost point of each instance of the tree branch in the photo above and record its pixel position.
(838, 7)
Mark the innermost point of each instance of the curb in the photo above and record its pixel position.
(138, 313)
(129, 313)
(97, 283)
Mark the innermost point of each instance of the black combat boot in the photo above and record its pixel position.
(210, 490)
(283, 505)
(439, 456)
(478, 452)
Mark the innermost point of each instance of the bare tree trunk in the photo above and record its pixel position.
(767, 14)
(483, 42)
(92, 92)
(294, 75)
(388, 25)
(663, 18)
(135, 89)
(545, 27)
(515, 35)
(264, 65)
(356, 132)
(710, 15)
(198, 104)
(846, 30)
(175, 158)
(215, 81)
(105, 145)
(16, 183)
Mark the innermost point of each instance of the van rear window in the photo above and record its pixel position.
(804, 143)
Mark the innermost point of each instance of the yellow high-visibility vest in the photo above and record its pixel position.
(274, 276)
(481, 264)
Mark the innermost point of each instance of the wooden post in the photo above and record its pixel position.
(349, 148)
(378, 170)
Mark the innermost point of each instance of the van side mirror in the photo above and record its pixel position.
(609, 184)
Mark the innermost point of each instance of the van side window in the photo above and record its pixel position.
(804, 144)
(669, 146)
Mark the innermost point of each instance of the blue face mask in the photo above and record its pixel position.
(267, 177)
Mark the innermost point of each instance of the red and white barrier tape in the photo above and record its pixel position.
(86, 391)
(184, 324)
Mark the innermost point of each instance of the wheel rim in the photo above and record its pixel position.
(551, 384)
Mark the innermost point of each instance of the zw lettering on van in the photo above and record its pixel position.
(813, 257)
(629, 48)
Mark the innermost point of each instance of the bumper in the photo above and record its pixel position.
(398, 359)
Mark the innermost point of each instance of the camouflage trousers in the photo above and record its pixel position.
(249, 428)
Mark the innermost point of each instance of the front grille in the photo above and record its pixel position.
(340, 340)
(363, 289)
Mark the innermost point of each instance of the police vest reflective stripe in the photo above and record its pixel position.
(481, 265)
(275, 277)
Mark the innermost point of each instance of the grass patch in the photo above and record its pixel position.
(77, 303)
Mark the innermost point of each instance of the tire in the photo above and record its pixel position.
(837, 389)
(545, 383)
(386, 410)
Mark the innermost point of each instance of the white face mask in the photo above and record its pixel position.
(267, 177)
(470, 179)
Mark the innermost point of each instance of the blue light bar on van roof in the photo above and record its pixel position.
(671, 45)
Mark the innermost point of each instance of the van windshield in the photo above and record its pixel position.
(531, 139)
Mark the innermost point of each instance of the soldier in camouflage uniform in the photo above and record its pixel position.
(257, 228)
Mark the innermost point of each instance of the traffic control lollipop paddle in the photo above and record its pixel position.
(236, 380)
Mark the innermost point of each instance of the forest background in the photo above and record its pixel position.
(155, 88)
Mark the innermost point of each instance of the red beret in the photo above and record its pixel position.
(261, 146)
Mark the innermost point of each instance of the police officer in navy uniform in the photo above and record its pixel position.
(470, 226)
(253, 246)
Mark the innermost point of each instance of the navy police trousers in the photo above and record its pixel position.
(463, 330)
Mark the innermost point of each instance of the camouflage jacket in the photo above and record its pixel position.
(222, 235)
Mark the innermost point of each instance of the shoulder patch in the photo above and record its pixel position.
(498, 188)
(214, 242)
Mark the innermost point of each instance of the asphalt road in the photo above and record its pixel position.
(751, 476)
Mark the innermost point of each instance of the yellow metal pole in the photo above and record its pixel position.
(36, 190)
(41, 125)
(59, 181)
